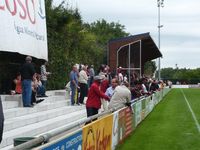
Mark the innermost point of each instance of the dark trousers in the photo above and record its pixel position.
(90, 112)
(74, 95)
(83, 92)
(33, 97)
(91, 80)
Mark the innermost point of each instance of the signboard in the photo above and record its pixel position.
(73, 142)
(115, 129)
(138, 110)
(154, 98)
(143, 108)
(125, 123)
(98, 135)
(133, 116)
(129, 122)
(23, 27)
(148, 109)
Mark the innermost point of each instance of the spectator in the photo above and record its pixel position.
(40, 88)
(83, 78)
(91, 74)
(103, 87)
(121, 96)
(27, 71)
(110, 90)
(136, 90)
(1, 120)
(120, 75)
(44, 75)
(94, 97)
(34, 86)
(74, 85)
(18, 84)
(154, 86)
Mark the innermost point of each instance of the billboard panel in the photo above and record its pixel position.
(98, 135)
(138, 110)
(23, 27)
(125, 123)
(115, 129)
(73, 141)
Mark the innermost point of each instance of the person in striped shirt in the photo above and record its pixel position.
(44, 75)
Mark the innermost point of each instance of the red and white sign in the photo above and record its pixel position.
(23, 27)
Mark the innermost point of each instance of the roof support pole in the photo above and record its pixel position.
(140, 58)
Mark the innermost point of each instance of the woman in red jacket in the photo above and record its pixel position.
(94, 97)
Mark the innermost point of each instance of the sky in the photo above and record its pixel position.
(180, 34)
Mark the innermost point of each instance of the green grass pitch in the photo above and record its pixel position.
(170, 126)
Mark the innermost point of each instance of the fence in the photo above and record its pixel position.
(105, 133)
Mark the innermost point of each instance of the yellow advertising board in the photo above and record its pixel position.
(98, 135)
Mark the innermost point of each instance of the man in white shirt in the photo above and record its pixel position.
(83, 80)
(121, 96)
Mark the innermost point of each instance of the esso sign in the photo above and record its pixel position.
(25, 9)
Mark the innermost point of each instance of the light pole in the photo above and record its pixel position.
(160, 4)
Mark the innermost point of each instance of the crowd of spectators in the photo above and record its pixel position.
(30, 84)
(106, 90)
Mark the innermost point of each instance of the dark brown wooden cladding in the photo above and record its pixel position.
(149, 49)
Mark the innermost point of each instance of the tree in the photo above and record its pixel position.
(182, 75)
(106, 31)
(70, 41)
(150, 68)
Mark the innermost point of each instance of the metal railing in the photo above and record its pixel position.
(46, 137)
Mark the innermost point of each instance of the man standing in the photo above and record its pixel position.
(94, 97)
(83, 79)
(44, 75)
(91, 74)
(103, 88)
(27, 71)
(121, 96)
(74, 85)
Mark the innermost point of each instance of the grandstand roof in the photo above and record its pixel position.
(149, 49)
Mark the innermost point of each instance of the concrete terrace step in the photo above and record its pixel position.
(10, 104)
(7, 147)
(37, 117)
(43, 126)
(53, 98)
(13, 101)
(20, 111)
(56, 92)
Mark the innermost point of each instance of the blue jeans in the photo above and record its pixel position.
(74, 95)
(44, 83)
(26, 92)
(41, 90)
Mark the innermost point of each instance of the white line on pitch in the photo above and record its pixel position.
(193, 115)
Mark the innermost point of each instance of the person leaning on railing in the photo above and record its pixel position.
(121, 96)
(94, 97)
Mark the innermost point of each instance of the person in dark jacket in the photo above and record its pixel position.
(94, 97)
(1, 121)
(27, 71)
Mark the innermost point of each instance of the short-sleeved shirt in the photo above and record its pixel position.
(43, 73)
(27, 71)
(73, 76)
(109, 91)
